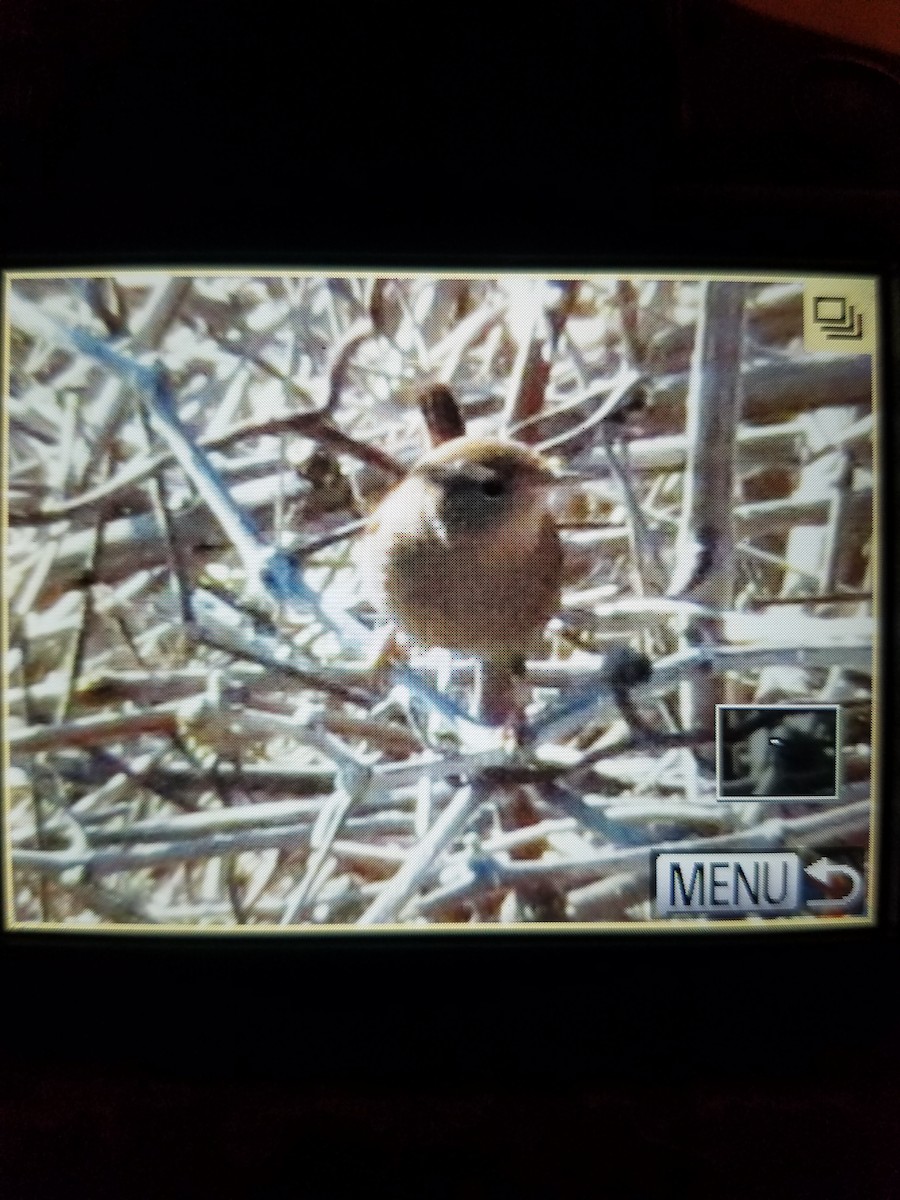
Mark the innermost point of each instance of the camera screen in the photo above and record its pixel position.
(345, 601)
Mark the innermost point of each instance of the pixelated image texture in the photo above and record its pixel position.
(409, 601)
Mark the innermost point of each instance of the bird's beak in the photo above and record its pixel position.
(557, 476)
(552, 473)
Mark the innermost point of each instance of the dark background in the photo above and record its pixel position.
(692, 134)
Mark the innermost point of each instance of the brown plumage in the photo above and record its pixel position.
(464, 554)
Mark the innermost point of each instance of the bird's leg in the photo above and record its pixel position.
(502, 695)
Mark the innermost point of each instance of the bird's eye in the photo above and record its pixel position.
(494, 486)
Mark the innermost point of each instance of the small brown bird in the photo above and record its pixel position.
(465, 554)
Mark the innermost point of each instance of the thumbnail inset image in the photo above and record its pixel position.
(778, 753)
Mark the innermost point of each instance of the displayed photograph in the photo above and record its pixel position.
(411, 602)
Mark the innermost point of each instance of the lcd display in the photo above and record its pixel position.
(427, 602)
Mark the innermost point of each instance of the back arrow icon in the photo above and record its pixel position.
(824, 872)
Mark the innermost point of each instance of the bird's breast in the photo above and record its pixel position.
(486, 594)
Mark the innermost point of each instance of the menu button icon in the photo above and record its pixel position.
(730, 883)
